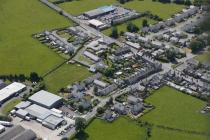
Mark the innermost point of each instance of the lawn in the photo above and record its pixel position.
(10, 105)
(120, 129)
(19, 52)
(65, 75)
(203, 57)
(163, 134)
(163, 10)
(123, 27)
(177, 110)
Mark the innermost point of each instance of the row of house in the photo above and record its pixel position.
(186, 13)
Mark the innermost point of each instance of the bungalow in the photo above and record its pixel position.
(91, 56)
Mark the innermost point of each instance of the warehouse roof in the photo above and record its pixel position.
(99, 11)
(18, 133)
(95, 22)
(44, 98)
(10, 90)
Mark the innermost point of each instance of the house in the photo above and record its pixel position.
(179, 18)
(166, 37)
(170, 22)
(100, 83)
(133, 45)
(122, 51)
(206, 65)
(174, 40)
(107, 90)
(157, 44)
(85, 104)
(131, 36)
(145, 29)
(120, 108)
(192, 63)
(137, 108)
(133, 100)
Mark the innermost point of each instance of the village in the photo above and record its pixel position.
(123, 72)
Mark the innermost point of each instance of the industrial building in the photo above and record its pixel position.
(46, 99)
(99, 11)
(11, 91)
(18, 133)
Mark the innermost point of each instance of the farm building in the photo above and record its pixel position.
(18, 133)
(99, 11)
(46, 99)
(11, 91)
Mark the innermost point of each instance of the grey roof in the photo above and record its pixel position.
(21, 112)
(53, 120)
(18, 133)
(23, 105)
(45, 98)
(25, 135)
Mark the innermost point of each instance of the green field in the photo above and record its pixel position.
(177, 110)
(163, 134)
(10, 105)
(203, 57)
(163, 10)
(20, 53)
(120, 129)
(123, 27)
(64, 76)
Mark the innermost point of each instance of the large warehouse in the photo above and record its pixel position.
(99, 11)
(18, 133)
(11, 91)
(46, 99)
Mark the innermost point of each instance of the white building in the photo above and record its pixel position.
(11, 91)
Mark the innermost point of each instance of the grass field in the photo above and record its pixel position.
(10, 105)
(120, 129)
(123, 27)
(204, 57)
(163, 10)
(177, 110)
(162, 134)
(64, 76)
(19, 52)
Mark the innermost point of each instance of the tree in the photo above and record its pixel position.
(144, 23)
(100, 110)
(114, 33)
(171, 54)
(188, 2)
(34, 77)
(132, 27)
(80, 124)
(197, 45)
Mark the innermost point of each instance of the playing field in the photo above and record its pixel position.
(65, 75)
(204, 57)
(120, 129)
(163, 10)
(123, 27)
(19, 52)
(177, 110)
(163, 134)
